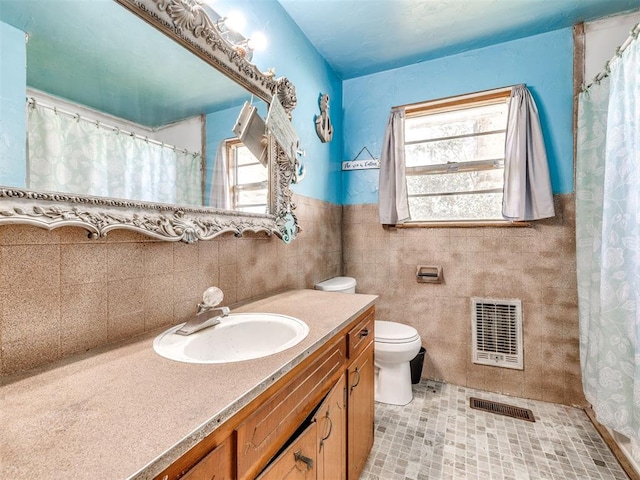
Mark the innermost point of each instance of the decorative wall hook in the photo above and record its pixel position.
(324, 129)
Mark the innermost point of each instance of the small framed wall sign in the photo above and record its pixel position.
(364, 164)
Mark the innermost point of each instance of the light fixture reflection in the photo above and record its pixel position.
(230, 28)
(258, 42)
(235, 21)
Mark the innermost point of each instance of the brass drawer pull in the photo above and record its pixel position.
(306, 460)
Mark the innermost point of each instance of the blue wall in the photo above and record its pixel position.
(293, 56)
(360, 106)
(543, 62)
(12, 113)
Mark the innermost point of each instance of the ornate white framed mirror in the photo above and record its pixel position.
(159, 76)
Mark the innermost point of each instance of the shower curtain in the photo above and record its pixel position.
(608, 243)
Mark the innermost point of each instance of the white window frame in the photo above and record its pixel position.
(448, 104)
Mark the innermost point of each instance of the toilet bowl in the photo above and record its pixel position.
(395, 345)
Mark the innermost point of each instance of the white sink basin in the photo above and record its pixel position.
(239, 336)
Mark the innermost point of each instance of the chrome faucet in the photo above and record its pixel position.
(208, 314)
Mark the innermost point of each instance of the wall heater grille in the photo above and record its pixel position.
(497, 332)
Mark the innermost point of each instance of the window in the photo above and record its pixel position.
(454, 151)
(247, 178)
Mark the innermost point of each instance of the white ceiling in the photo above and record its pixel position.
(359, 37)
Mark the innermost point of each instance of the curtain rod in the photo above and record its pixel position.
(32, 102)
(467, 95)
(604, 73)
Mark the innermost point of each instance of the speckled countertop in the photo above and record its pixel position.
(125, 412)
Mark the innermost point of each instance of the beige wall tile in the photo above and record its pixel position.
(31, 314)
(536, 265)
(125, 326)
(83, 263)
(83, 317)
(128, 236)
(26, 235)
(188, 286)
(208, 262)
(512, 381)
(227, 251)
(30, 267)
(125, 260)
(144, 284)
(77, 235)
(185, 256)
(81, 293)
(125, 308)
(29, 353)
(157, 258)
(229, 283)
(574, 394)
(158, 301)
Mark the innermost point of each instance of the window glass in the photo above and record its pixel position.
(455, 159)
(248, 179)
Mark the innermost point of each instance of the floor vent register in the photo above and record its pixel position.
(502, 409)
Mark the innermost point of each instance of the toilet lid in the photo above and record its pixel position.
(336, 284)
(393, 332)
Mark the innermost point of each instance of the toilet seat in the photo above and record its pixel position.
(394, 333)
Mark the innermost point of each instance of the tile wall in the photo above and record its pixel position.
(536, 265)
(62, 294)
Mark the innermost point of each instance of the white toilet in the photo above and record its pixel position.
(395, 345)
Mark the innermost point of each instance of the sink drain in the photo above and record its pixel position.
(502, 409)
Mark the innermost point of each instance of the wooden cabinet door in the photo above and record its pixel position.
(297, 462)
(217, 465)
(262, 434)
(360, 412)
(331, 419)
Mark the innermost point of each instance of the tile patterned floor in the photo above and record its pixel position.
(439, 437)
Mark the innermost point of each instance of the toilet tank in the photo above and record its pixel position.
(338, 284)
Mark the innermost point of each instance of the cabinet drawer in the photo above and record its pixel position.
(262, 434)
(361, 335)
(216, 465)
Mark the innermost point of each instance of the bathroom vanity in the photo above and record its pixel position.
(315, 422)
(126, 412)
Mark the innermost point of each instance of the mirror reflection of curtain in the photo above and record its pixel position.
(70, 154)
(220, 195)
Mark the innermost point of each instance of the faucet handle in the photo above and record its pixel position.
(211, 297)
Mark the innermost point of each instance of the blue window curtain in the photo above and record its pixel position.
(393, 202)
(527, 186)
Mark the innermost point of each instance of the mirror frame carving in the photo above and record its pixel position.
(187, 23)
